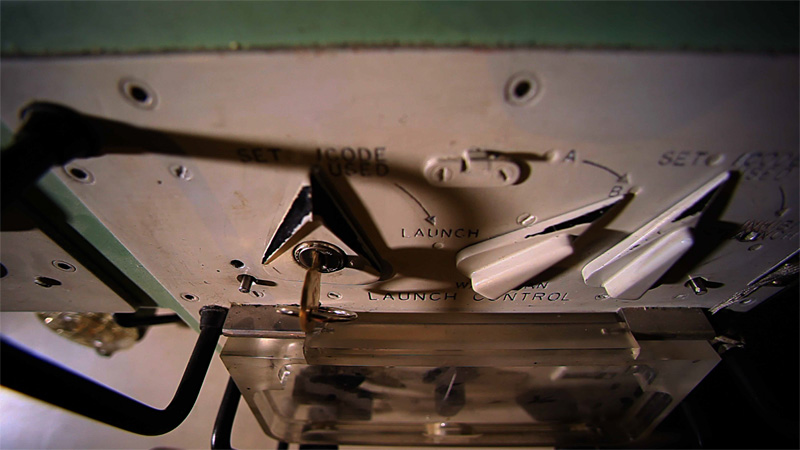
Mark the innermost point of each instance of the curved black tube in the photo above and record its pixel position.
(221, 435)
(132, 320)
(31, 375)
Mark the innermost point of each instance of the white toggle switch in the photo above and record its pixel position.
(628, 269)
(502, 263)
(641, 269)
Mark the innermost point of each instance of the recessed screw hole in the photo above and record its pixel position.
(46, 282)
(236, 263)
(138, 93)
(189, 297)
(63, 265)
(78, 173)
(522, 88)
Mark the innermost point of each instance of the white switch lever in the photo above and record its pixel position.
(502, 263)
(628, 269)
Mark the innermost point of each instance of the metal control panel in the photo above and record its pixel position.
(477, 181)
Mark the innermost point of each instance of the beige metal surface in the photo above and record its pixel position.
(44, 277)
(241, 130)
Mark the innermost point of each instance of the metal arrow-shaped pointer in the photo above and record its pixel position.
(321, 202)
(428, 217)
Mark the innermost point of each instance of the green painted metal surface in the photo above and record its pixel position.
(31, 28)
(80, 218)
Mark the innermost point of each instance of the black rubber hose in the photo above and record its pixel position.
(41, 379)
(223, 426)
(131, 320)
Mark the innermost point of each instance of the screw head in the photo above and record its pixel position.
(442, 174)
(714, 160)
(180, 171)
(749, 236)
(526, 219)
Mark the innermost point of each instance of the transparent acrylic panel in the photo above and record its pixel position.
(421, 388)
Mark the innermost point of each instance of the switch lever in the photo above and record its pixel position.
(504, 262)
(630, 268)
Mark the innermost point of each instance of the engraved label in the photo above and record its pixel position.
(539, 285)
(524, 296)
(347, 161)
(413, 296)
(431, 233)
(760, 230)
(766, 166)
(684, 158)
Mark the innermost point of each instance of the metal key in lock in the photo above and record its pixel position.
(318, 258)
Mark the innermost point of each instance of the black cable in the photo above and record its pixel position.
(132, 320)
(221, 435)
(33, 376)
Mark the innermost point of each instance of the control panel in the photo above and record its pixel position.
(504, 181)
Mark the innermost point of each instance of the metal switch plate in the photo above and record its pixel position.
(204, 176)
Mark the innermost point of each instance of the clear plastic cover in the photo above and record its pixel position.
(469, 397)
